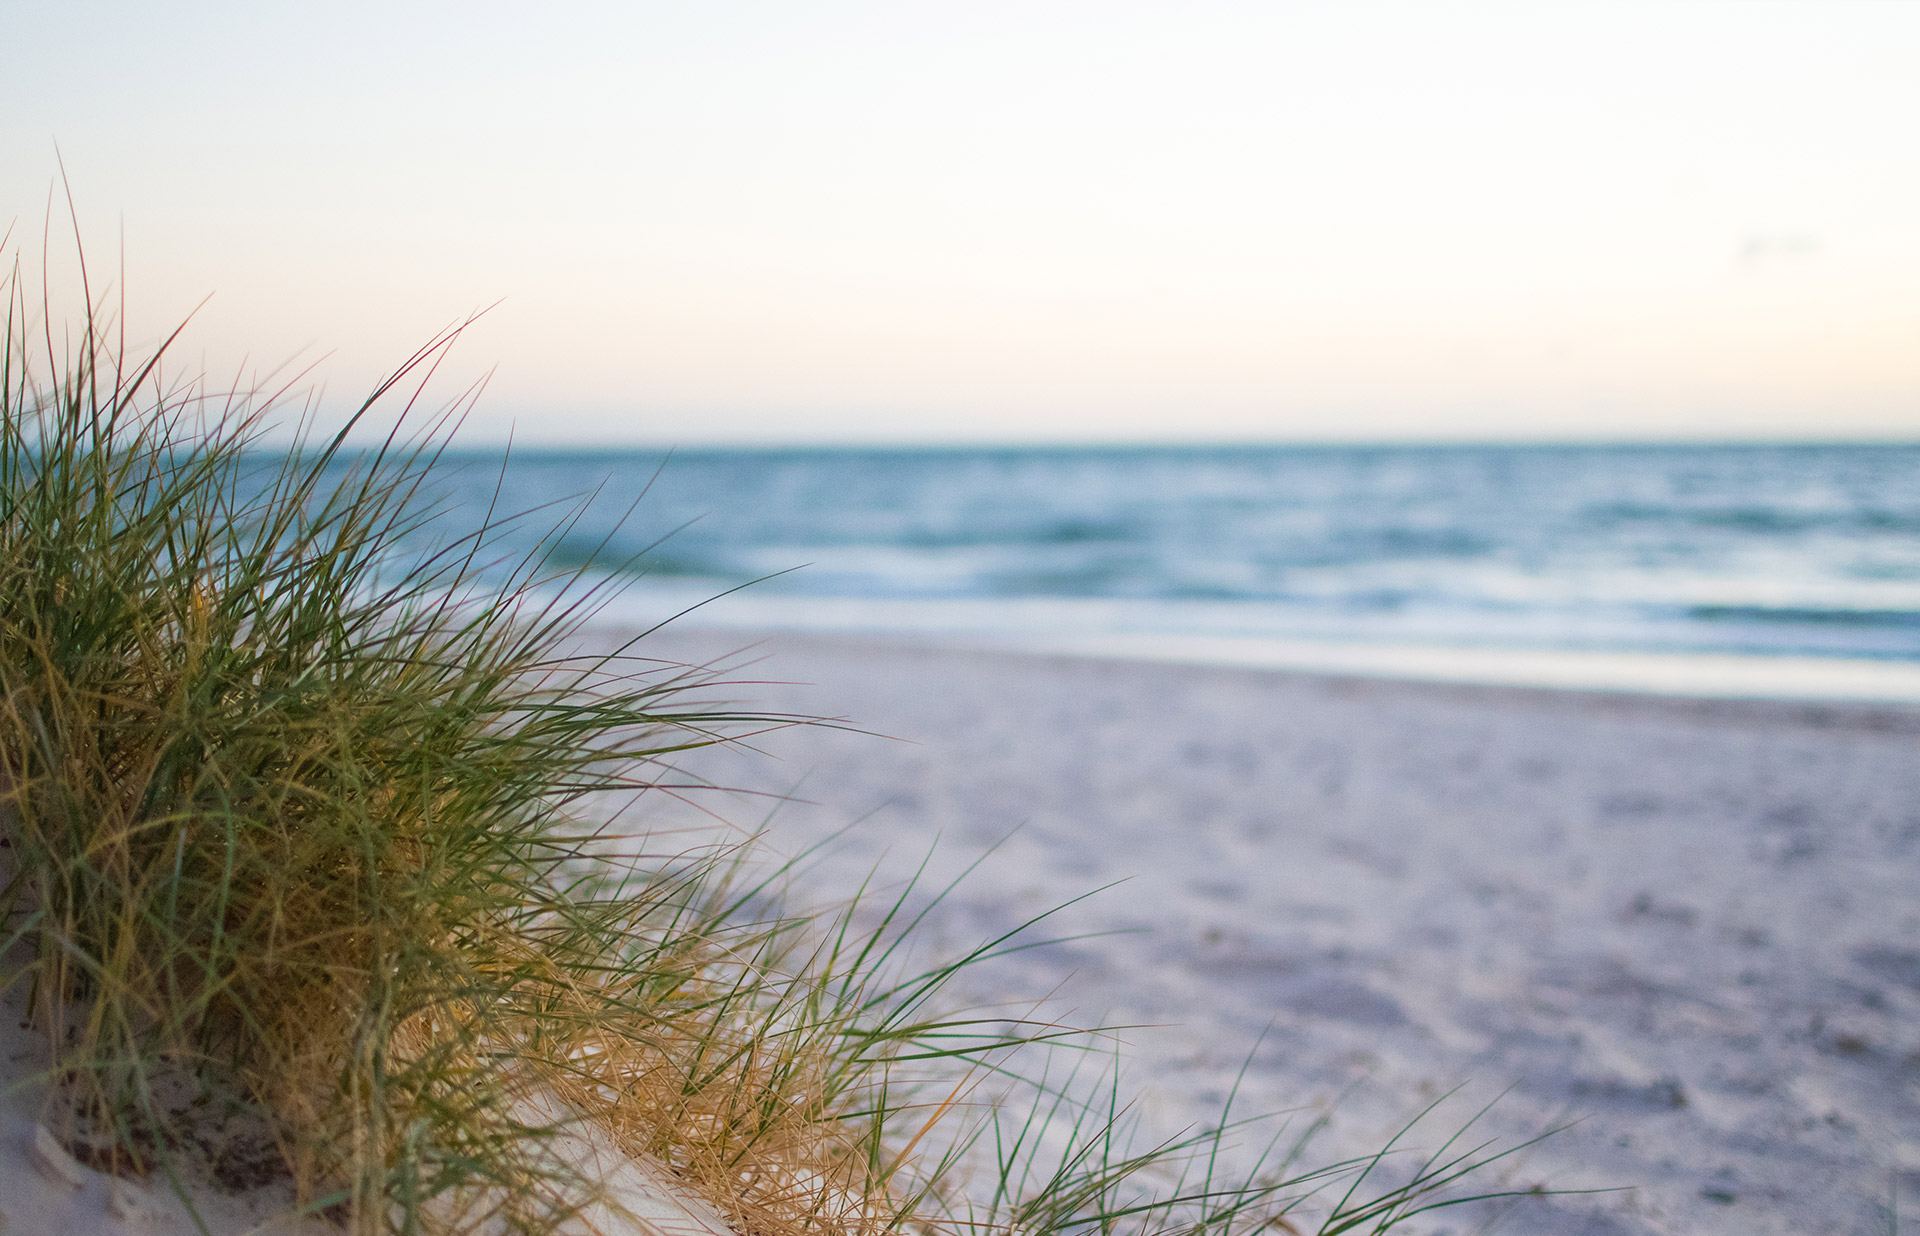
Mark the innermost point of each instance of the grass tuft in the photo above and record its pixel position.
(301, 885)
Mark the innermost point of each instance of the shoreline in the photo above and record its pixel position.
(1705, 676)
(1013, 628)
(1840, 685)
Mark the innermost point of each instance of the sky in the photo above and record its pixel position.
(1035, 221)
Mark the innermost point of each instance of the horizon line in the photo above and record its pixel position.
(802, 445)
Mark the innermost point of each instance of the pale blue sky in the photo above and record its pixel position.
(797, 222)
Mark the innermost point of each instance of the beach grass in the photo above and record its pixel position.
(308, 884)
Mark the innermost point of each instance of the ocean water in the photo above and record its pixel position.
(1785, 551)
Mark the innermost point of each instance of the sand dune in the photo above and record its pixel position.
(1692, 925)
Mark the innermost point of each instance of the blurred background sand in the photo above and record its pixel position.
(1691, 926)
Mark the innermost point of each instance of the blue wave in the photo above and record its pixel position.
(1756, 548)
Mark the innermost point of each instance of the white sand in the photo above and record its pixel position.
(1694, 925)
(45, 1192)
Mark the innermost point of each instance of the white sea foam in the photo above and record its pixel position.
(1194, 633)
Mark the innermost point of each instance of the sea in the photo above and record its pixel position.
(1765, 569)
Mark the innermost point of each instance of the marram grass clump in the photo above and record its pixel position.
(298, 883)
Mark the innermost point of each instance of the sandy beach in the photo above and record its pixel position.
(1691, 926)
